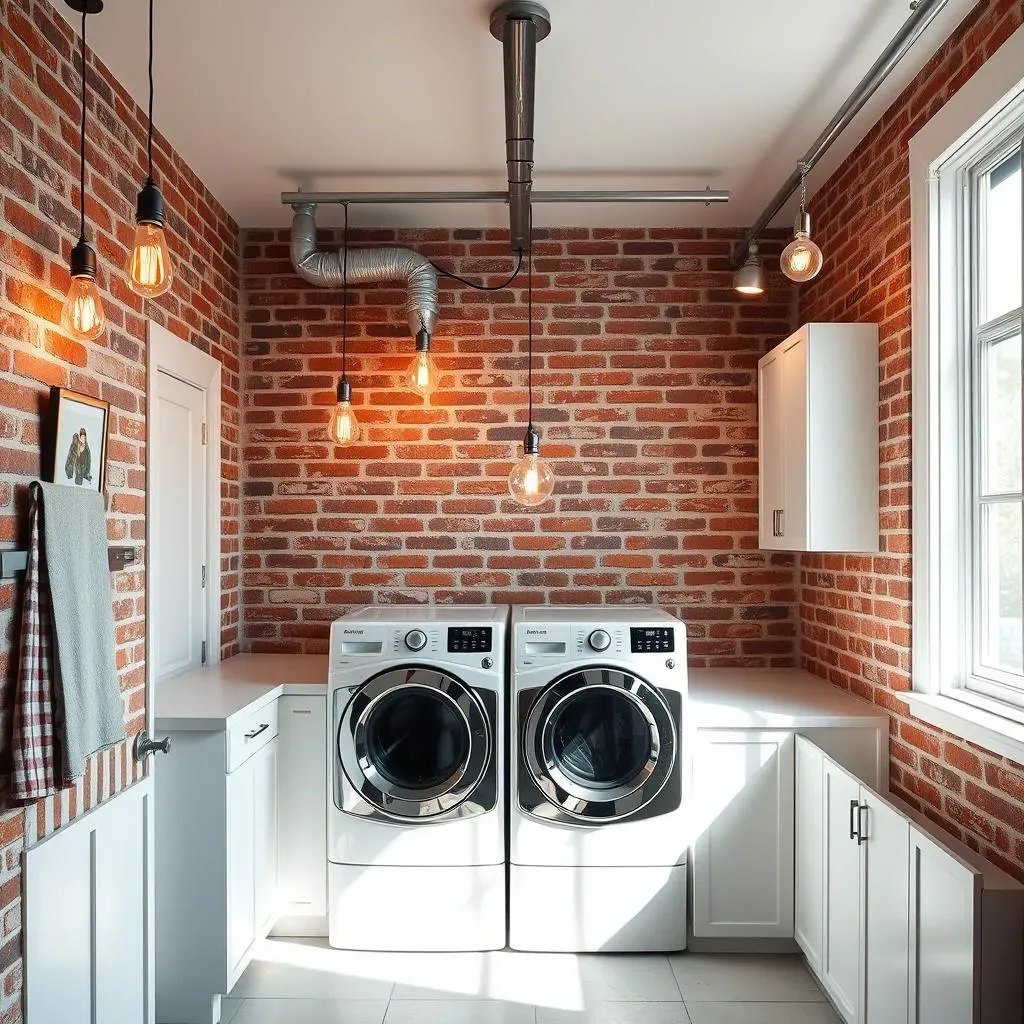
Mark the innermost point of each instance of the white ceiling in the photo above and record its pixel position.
(263, 96)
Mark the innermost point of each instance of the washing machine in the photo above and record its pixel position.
(416, 783)
(598, 835)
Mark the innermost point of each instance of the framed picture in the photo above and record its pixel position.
(78, 434)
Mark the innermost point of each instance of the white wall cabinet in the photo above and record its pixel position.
(818, 428)
(216, 861)
(742, 860)
(905, 912)
(302, 816)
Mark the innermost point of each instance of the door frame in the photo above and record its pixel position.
(167, 353)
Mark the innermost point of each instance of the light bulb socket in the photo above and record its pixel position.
(531, 441)
(83, 260)
(149, 208)
(802, 224)
(422, 340)
(344, 390)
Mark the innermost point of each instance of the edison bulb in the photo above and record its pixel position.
(801, 259)
(422, 374)
(343, 427)
(149, 266)
(83, 315)
(531, 480)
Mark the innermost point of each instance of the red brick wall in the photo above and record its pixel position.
(856, 611)
(645, 387)
(38, 225)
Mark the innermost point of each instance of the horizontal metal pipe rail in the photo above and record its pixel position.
(922, 15)
(570, 196)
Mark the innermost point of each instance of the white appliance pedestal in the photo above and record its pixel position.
(598, 909)
(417, 909)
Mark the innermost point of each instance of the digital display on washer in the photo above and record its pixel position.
(467, 639)
(656, 640)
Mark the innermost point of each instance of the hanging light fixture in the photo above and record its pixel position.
(343, 427)
(531, 479)
(801, 259)
(83, 316)
(422, 372)
(749, 279)
(149, 266)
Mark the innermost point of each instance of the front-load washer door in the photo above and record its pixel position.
(413, 743)
(599, 745)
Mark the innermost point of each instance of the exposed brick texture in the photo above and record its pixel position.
(856, 611)
(645, 388)
(39, 197)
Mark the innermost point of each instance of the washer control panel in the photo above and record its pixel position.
(652, 640)
(469, 639)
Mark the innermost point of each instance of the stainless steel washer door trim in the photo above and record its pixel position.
(407, 804)
(596, 805)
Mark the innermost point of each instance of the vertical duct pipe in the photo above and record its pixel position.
(520, 26)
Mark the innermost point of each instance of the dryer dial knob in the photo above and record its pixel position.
(415, 639)
(599, 640)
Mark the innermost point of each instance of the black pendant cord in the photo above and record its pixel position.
(529, 329)
(81, 153)
(149, 137)
(481, 287)
(344, 294)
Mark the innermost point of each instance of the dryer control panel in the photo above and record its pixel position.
(652, 639)
(469, 639)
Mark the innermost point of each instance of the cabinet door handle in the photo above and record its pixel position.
(782, 521)
(854, 814)
(862, 836)
(252, 735)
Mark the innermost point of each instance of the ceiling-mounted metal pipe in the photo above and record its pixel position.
(520, 26)
(922, 15)
(705, 196)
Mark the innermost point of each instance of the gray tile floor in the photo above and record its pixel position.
(303, 981)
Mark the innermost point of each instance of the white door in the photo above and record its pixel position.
(772, 442)
(743, 854)
(266, 812)
(178, 505)
(886, 841)
(944, 895)
(810, 852)
(842, 940)
(241, 860)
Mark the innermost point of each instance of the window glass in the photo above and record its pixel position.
(1001, 194)
(1002, 447)
(1002, 593)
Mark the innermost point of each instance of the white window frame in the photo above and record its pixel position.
(986, 108)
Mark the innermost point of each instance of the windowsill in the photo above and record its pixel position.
(993, 732)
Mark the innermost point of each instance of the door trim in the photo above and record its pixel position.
(169, 354)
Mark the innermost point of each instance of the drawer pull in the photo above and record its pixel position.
(252, 735)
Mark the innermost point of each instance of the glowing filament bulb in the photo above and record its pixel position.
(422, 374)
(149, 265)
(531, 480)
(82, 315)
(343, 427)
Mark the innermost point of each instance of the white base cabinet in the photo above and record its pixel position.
(900, 922)
(216, 861)
(742, 860)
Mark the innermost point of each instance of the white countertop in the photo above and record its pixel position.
(720, 698)
(774, 698)
(206, 699)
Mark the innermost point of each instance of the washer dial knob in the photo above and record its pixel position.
(599, 640)
(415, 639)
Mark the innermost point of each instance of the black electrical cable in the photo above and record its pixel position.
(81, 154)
(149, 139)
(481, 287)
(344, 292)
(529, 329)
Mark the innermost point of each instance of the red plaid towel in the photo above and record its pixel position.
(36, 770)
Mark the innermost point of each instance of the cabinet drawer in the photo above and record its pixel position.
(250, 733)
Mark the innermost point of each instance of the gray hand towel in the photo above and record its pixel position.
(75, 544)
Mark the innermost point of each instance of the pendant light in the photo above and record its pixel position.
(531, 480)
(422, 372)
(801, 259)
(83, 316)
(149, 265)
(343, 428)
(749, 279)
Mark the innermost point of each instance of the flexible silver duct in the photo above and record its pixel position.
(323, 268)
